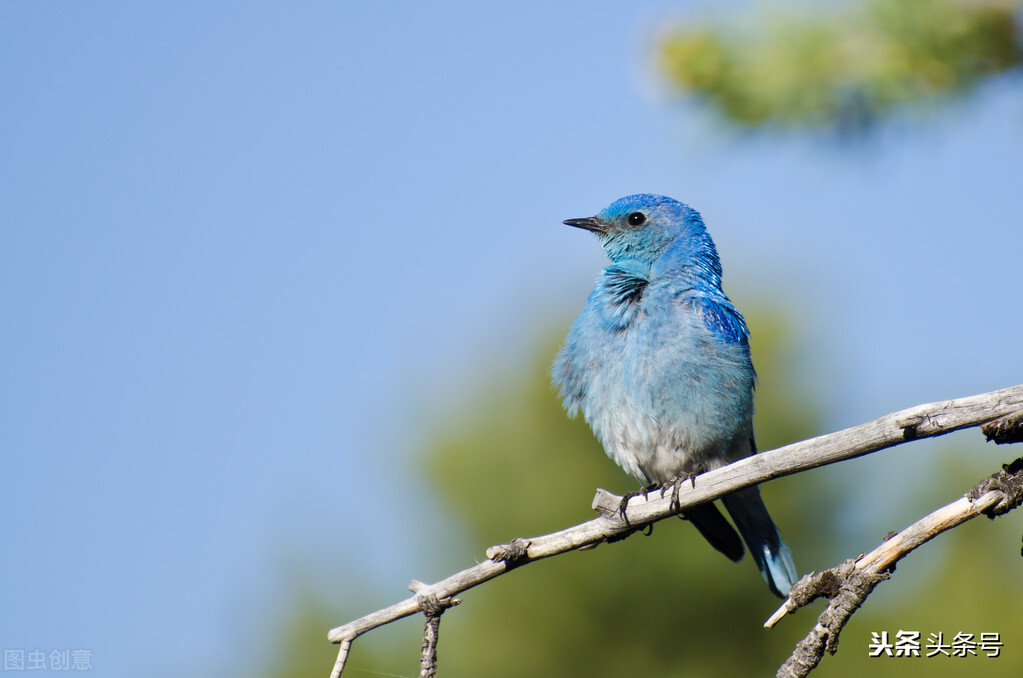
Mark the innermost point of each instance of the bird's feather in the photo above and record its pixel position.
(722, 318)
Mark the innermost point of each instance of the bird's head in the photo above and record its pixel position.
(646, 228)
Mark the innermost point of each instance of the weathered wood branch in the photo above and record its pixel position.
(432, 609)
(847, 585)
(932, 419)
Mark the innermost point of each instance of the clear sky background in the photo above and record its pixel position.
(249, 250)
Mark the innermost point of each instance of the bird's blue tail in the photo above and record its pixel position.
(770, 553)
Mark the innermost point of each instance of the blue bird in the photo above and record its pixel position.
(659, 363)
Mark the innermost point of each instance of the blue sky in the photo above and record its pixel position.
(244, 251)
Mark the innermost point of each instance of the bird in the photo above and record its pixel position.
(659, 364)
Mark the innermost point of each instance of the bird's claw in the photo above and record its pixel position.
(675, 485)
(624, 504)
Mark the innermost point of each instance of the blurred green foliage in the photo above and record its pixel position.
(515, 465)
(843, 67)
(512, 464)
(509, 463)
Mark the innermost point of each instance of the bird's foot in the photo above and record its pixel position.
(624, 505)
(675, 485)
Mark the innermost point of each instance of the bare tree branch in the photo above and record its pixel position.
(342, 657)
(428, 659)
(432, 609)
(923, 421)
(848, 585)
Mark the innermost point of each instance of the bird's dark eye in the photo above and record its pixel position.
(636, 219)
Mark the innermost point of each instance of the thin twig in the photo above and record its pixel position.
(432, 608)
(923, 421)
(428, 656)
(342, 657)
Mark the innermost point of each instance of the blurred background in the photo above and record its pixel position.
(281, 285)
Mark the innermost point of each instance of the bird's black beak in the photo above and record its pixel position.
(589, 223)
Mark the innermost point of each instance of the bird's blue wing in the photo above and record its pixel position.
(723, 319)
